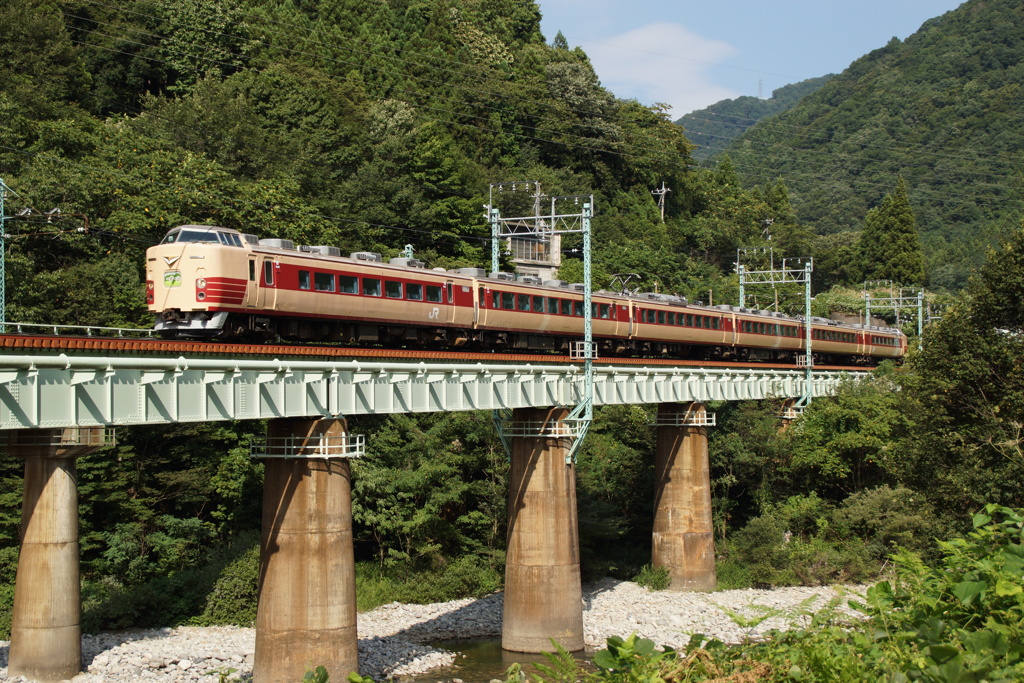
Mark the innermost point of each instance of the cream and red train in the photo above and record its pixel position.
(208, 281)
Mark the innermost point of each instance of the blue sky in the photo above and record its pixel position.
(691, 54)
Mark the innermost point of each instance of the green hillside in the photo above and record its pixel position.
(943, 110)
(714, 128)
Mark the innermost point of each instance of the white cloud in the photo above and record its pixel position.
(661, 62)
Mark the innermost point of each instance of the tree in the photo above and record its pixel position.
(889, 244)
(966, 394)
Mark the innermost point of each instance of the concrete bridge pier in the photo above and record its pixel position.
(306, 615)
(683, 538)
(46, 631)
(543, 594)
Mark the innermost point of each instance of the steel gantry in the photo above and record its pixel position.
(545, 227)
(50, 390)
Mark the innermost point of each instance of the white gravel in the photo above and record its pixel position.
(392, 637)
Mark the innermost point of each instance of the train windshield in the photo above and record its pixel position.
(207, 236)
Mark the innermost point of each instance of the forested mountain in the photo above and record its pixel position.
(713, 128)
(943, 109)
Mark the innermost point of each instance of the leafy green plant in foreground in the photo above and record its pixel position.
(961, 620)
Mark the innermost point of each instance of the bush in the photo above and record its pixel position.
(468, 576)
(169, 600)
(655, 578)
(234, 595)
(888, 519)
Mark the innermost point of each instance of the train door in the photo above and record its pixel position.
(449, 294)
(266, 285)
(252, 285)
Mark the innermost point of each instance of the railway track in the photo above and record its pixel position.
(21, 343)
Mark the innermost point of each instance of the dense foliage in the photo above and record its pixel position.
(942, 109)
(959, 621)
(713, 128)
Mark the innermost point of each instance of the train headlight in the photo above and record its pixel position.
(201, 283)
(201, 295)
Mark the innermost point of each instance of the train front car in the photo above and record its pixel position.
(194, 277)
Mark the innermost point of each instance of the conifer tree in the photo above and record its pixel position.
(889, 244)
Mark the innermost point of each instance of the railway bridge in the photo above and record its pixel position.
(59, 397)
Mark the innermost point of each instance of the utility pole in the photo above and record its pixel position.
(660, 194)
(3, 274)
(3, 256)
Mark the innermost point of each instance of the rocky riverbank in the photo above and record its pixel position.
(393, 638)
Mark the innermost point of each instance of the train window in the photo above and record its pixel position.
(604, 311)
(323, 282)
(433, 294)
(523, 302)
(671, 318)
(495, 300)
(552, 306)
(538, 304)
(414, 292)
(371, 286)
(392, 290)
(681, 319)
(451, 299)
(252, 271)
(661, 317)
(706, 322)
(716, 323)
(268, 273)
(348, 284)
(566, 306)
(577, 308)
(508, 300)
(303, 279)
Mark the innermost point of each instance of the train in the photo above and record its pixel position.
(213, 282)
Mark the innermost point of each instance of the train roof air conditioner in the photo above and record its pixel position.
(326, 251)
(407, 262)
(275, 243)
(366, 256)
(471, 272)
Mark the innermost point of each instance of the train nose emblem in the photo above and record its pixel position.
(170, 260)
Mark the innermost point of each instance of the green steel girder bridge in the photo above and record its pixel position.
(55, 389)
